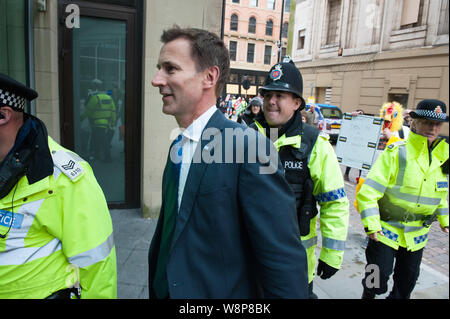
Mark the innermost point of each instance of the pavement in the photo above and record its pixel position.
(133, 235)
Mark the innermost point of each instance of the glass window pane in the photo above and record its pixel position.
(99, 101)
(269, 27)
(234, 22)
(251, 52)
(267, 54)
(13, 53)
(232, 49)
(252, 25)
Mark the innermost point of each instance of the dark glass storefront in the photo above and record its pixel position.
(15, 39)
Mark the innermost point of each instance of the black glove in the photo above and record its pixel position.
(325, 271)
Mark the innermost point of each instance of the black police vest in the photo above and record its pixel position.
(295, 165)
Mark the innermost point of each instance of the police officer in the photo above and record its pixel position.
(55, 229)
(311, 168)
(251, 112)
(405, 191)
(101, 112)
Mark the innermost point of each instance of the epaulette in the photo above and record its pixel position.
(396, 144)
(68, 164)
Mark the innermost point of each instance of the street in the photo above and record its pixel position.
(133, 235)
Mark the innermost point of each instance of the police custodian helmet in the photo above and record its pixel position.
(284, 77)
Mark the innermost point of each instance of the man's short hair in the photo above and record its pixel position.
(207, 50)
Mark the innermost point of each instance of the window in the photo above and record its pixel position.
(234, 78)
(301, 40)
(235, 1)
(284, 30)
(271, 4)
(411, 14)
(287, 5)
(234, 22)
(251, 52)
(267, 54)
(254, 3)
(443, 18)
(233, 49)
(269, 27)
(252, 25)
(14, 37)
(334, 14)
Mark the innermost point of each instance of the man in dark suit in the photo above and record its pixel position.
(228, 225)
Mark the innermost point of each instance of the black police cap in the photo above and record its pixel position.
(285, 77)
(14, 93)
(430, 109)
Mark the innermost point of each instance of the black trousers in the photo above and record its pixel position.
(406, 270)
(101, 142)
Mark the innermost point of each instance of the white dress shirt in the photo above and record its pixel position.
(191, 136)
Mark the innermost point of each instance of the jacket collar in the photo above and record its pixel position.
(293, 127)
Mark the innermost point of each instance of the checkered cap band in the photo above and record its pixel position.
(431, 114)
(13, 100)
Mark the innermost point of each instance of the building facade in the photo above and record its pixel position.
(255, 38)
(59, 47)
(360, 54)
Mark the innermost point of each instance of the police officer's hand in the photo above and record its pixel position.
(325, 271)
(374, 236)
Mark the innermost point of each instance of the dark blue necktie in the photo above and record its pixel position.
(170, 209)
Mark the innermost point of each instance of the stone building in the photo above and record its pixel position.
(360, 54)
(59, 46)
(252, 34)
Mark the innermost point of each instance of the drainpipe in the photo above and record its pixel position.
(281, 31)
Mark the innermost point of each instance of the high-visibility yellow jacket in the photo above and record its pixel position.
(330, 195)
(101, 111)
(405, 187)
(61, 234)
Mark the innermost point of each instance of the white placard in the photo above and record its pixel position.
(358, 140)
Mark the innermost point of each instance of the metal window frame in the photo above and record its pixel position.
(29, 44)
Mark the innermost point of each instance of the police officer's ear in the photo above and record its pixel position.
(298, 102)
(5, 114)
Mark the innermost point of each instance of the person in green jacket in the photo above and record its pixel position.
(56, 234)
(101, 112)
(404, 192)
(311, 168)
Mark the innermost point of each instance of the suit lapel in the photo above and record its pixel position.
(195, 176)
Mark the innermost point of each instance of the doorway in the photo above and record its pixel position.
(100, 111)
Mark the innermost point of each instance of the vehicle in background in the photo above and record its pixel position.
(330, 119)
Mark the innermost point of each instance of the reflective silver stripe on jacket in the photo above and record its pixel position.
(370, 212)
(309, 242)
(93, 255)
(22, 255)
(375, 185)
(406, 229)
(333, 243)
(395, 192)
(401, 164)
(441, 211)
(15, 252)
